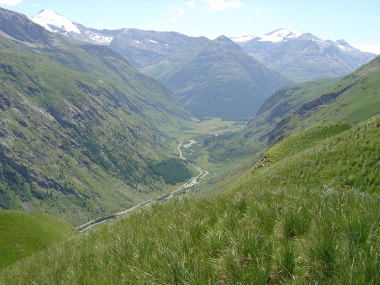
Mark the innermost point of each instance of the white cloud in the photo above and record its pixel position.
(36, 5)
(190, 4)
(180, 11)
(10, 2)
(220, 5)
(368, 48)
(173, 19)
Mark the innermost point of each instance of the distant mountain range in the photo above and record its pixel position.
(56, 23)
(212, 78)
(147, 49)
(221, 80)
(303, 56)
(297, 56)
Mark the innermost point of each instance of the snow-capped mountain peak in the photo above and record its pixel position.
(280, 35)
(56, 23)
(343, 45)
(53, 22)
(286, 52)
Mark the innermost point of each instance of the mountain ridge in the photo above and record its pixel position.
(303, 56)
(222, 81)
(57, 23)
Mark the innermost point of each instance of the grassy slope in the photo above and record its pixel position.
(200, 130)
(97, 60)
(151, 100)
(311, 215)
(70, 132)
(25, 233)
(353, 99)
(285, 100)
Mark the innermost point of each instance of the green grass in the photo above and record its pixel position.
(81, 130)
(353, 99)
(295, 220)
(304, 140)
(23, 233)
(201, 131)
(254, 137)
(287, 99)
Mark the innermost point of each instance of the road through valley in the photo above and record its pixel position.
(189, 184)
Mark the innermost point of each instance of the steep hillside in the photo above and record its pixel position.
(282, 103)
(353, 99)
(144, 49)
(222, 81)
(98, 60)
(254, 137)
(23, 233)
(302, 56)
(288, 98)
(288, 220)
(80, 127)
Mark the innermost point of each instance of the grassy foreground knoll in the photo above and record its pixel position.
(24, 233)
(307, 213)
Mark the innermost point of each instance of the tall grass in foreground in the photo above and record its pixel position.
(274, 227)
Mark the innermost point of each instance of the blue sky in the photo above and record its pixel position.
(356, 21)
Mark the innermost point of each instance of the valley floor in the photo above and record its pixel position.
(194, 129)
(180, 190)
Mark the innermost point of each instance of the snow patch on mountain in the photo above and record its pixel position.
(344, 47)
(101, 39)
(52, 21)
(279, 36)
